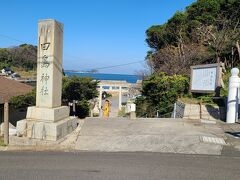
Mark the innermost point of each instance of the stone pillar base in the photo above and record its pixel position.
(50, 131)
(49, 124)
(48, 114)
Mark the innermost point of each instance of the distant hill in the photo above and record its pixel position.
(23, 56)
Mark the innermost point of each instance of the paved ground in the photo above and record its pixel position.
(115, 104)
(232, 132)
(143, 135)
(114, 166)
(149, 135)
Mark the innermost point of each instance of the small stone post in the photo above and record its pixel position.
(233, 90)
(132, 111)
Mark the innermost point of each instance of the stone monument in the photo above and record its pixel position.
(48, 120)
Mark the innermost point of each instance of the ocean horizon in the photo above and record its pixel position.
(107, 76)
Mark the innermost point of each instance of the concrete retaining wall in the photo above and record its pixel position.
(209, 112)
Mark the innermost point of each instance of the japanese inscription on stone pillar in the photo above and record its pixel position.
(49, 68)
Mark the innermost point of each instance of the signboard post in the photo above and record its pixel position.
(206, 78)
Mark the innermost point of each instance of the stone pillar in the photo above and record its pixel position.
(120, 98)
(49, 69)
(233, 90)
(49, 73)
(48, 120)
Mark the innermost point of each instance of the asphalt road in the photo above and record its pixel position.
(104, 166)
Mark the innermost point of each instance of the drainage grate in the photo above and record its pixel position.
(213, 140)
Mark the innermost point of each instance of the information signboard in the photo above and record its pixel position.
(205, 78)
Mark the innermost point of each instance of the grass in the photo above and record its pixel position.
(189, 100)
(205, 100)
(122, 113)
(25, 74)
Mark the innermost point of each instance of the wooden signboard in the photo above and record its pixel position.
(205, 78)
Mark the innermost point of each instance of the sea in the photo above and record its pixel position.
(102, 76)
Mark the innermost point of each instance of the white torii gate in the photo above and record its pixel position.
(120, 88)
(116, 86)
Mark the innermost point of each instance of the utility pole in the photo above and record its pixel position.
(6, 123)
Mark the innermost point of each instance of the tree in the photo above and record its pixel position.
(173, 61)
(23, 101)
(204, 11)
(207, 31)
(23, 56)
(81, 89)
(159, 92)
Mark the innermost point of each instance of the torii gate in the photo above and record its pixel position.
(113, 86)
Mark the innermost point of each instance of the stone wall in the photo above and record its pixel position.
(209, 112)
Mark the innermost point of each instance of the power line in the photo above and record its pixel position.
(11, 38)
(105, 67)
(119, 65)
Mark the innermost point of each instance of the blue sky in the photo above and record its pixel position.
(97, 33)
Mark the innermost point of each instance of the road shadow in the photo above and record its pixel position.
(234, 134)
(216, 112)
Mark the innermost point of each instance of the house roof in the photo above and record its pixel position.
(7, 69)
(10, 88)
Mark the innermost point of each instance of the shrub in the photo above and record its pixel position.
(159, 93)
(23, 101)
(81, 89)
